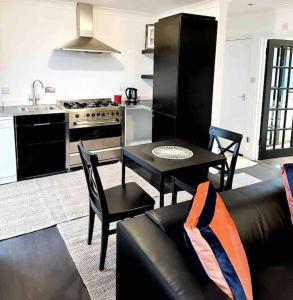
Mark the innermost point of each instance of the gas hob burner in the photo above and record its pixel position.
(91, 103)
(74, 105)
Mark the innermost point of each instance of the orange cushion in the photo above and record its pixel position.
(213, 236)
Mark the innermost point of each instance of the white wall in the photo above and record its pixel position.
(259, 26)
(31, 29)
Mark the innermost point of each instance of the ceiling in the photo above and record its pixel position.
(149, 6)
(239, 6)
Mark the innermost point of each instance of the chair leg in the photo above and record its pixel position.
(104, 244)
(91, 225)
(174, 192)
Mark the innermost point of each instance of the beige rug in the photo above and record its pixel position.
(31, 205)
(101, 285)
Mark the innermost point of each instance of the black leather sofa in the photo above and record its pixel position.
(152, 262)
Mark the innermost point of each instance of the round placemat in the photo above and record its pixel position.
(172, 152)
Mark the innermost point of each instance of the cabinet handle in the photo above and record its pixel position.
(41, 124)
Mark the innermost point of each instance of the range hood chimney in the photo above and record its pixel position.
(85, 42)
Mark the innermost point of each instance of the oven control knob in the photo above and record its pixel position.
(117, 113)
(98, 114)
(77, 116)
(93, 115)
(103, 114)
(88, 115)
(113, 113)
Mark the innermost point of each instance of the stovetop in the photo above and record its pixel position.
(92, 112)
(87, 103)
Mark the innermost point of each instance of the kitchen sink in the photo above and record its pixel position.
(30, 108)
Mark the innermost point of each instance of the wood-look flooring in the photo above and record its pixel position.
(38, 265)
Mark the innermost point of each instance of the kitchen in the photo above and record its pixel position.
(91, 83)
(113, 92)
(81, 67)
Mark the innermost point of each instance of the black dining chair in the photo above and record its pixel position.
(189, 180)
(110, 205)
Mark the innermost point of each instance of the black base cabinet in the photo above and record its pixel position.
(42, 144)
(184, 60)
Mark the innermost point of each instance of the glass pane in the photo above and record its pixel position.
(288, 134)
(284, 73)
(287, 54)
(275, 77)
(276, 59)
(271, 120)
(289, 119)
(279, 137)
(273, 100)
(270, 140)
(290, 99)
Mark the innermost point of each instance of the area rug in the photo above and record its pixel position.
(101, 285)
(31, 205)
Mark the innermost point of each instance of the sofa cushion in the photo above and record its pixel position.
(260, 212)
(274, 281)
(212, 234)
(287, 174)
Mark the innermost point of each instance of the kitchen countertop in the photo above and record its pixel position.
(141, 104)
(9, 111)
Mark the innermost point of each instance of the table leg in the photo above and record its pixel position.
(174, 191)
(123, 167)
(222, 181)
(162, 190)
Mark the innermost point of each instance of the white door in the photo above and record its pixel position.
(235, 113)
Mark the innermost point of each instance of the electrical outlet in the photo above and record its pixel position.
(5, 91)
(285, 27)
(50, 90)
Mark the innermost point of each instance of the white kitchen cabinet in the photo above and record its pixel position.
(7, 151)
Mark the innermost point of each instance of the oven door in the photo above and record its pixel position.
(105, 140)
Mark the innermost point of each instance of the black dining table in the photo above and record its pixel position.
(143, 156)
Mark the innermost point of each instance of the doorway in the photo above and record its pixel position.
(235, 108)
(276, 137)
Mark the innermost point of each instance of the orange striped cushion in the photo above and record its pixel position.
(213, 236)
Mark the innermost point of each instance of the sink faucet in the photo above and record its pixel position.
(34, 99)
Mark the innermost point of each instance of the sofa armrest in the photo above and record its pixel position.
(170, 217)
(150, 266)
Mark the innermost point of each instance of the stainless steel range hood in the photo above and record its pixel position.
(85, 42)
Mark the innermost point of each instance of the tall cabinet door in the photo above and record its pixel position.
(166, 58)
(164, 127)
(196, 77)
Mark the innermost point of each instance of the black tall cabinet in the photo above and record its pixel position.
(184, 59)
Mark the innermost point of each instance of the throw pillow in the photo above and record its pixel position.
(287, 175)
(214, 238)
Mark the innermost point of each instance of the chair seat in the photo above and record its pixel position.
(189, 181)
(127, 201)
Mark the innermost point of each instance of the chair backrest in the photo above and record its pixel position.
(90, 163)
(235, 139)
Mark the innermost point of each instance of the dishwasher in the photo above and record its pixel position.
(42, 144)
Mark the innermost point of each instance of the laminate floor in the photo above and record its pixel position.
(38, 265)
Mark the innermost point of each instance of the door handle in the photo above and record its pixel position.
(243, 97)
(41, 124)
